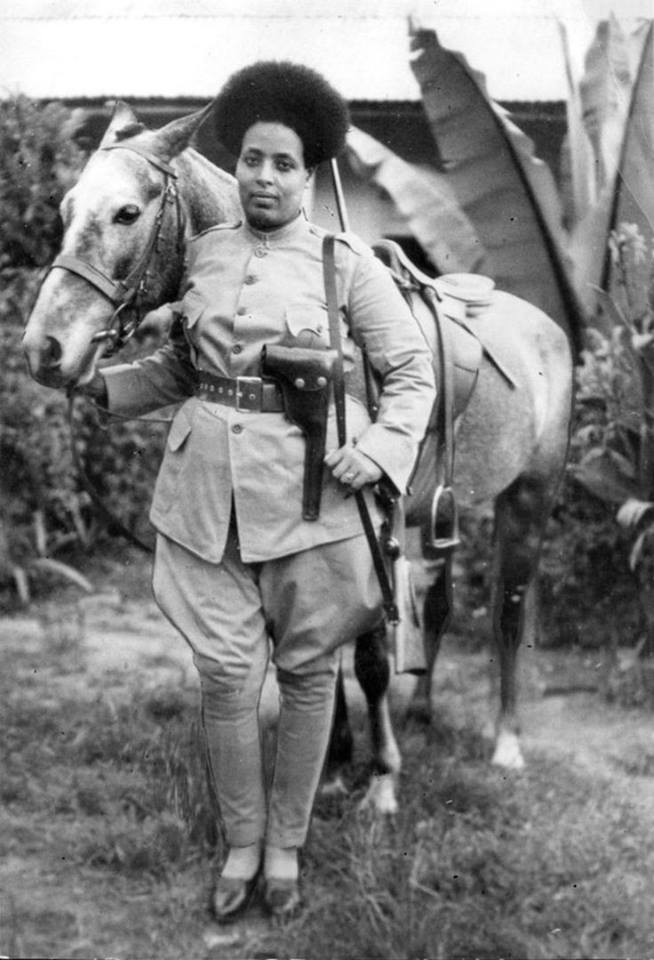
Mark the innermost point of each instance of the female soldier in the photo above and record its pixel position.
(237, 566)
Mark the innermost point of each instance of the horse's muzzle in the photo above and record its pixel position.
(44, 360)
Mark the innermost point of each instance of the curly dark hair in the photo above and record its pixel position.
(283, 92)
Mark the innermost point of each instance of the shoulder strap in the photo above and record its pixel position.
(338, 379)
(329, 273)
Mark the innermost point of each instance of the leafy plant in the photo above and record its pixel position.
(41, 512)
(613, 442)
(38, 162)
(46, 515)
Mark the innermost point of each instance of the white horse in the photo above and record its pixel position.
(126, 221)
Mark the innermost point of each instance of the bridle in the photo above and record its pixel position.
(126, 293)
(125, 296)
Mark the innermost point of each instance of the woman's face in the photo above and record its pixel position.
(271, 175)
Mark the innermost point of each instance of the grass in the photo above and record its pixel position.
(106, 834)
(481, 865)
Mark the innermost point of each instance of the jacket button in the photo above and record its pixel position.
(241, 311)
(237, 348)
(260, 251)
(250, 279)
(237, 428)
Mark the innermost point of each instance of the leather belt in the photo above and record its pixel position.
(252, 394)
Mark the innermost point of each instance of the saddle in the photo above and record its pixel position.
(441, 308)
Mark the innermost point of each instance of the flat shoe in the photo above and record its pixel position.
(231, 896)
(282, 897)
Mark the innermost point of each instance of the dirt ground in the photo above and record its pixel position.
(126, 646)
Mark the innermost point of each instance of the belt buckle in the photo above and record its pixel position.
(249, 392)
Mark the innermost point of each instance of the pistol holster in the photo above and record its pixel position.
(304, 376)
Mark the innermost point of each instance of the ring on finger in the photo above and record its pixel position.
(348, 477)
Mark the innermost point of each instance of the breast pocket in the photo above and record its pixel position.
(307, 324)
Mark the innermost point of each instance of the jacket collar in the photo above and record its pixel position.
(298, 225)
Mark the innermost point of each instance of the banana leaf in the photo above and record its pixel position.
(578, 187)
(601, 105)
(508, 194)
(424, 199)
(604, 93)
(634, 193)
(609, 93)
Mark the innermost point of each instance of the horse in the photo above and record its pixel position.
(139, 197)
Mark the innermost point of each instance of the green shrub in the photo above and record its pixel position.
(46, 515)
(588, 596)
(38, 162)
(613, 441)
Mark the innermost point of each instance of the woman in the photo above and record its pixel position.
(238, 570)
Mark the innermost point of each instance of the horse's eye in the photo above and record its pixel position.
(127, 214)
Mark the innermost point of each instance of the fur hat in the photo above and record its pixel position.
(283, 92)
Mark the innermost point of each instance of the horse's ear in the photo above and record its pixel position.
(169, 141)
(123, 124)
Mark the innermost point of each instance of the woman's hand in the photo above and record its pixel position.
(95, 389)
(352, 468)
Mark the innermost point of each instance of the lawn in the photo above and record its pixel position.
(107, 832)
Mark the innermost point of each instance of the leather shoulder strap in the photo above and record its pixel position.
(329, 273)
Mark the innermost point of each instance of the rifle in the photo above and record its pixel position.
(387, 552)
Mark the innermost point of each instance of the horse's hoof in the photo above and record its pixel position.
(508, 754)
(380, 797)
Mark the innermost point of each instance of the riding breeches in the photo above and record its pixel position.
(300, 608)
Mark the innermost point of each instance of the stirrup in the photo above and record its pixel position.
(452, 539)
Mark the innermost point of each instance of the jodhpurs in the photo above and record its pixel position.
(301, 608)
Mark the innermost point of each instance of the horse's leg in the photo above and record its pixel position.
(339, 752)
(372, 669)
(520, 516)
(437, 612)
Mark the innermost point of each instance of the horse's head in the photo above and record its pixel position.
(122, 250)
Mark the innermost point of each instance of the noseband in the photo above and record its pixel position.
(124, 294)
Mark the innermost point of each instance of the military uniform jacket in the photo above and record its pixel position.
(244, 289)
